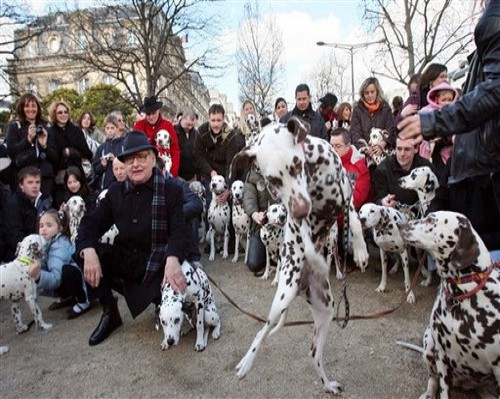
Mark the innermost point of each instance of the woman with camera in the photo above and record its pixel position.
(70, 144)
(30, 144)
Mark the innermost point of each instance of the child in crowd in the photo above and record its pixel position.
(57, 272)
(76, 184)
(106, 153)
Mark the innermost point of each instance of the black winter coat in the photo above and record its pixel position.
(475, 117)
(362, 123)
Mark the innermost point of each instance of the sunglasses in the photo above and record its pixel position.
(62, 112)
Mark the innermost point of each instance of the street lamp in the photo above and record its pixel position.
(350, 48)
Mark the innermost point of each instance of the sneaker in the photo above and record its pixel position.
(78, 309)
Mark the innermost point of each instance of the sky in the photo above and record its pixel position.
(303, 23)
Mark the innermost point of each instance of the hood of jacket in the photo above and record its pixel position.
(431, 96)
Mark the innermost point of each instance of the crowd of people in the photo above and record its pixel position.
(147, 196)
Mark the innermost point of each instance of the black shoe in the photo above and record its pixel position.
(110, 321)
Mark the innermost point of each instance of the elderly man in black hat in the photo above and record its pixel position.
(152, 123)
(152, 240)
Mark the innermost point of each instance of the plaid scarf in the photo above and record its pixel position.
(158, 227)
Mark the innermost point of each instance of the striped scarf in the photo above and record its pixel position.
(158, 227)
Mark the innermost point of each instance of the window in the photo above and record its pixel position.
(83, 84)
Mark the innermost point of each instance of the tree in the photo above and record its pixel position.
(416, 33)
(12, 15)
(330, 74)
(260, 46)
(138, 43)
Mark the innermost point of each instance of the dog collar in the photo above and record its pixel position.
(25, 260)
(481, 278)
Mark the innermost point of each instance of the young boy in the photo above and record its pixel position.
(105, 154)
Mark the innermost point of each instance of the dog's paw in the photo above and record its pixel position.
(275, 282)
(3, 350)
(380, 288)
(235, 258)
(216, 333)
(265, 276)
(211, 257)
(339, 275)
(411, 298)
(21, 328)
(45, 326)
(333, 387)
(394, 269)
(164, 345)
(225, 255)
(426, 282)
(199, 347)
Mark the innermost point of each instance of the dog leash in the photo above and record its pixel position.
(348, 317)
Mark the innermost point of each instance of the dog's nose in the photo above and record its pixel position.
(170, 341)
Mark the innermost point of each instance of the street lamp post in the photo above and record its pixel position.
(350, 48)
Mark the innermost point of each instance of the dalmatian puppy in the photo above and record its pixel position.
(219, 217)
(377, 137)
(383, 221)
(17, 283)
(163, 142)
(272, 233)
(462, 341)
(198, 188)
(253, 127)
(197, 305)
(75, 209)
(241, 221)
(307, 175)
(425, 183)
(109, 236)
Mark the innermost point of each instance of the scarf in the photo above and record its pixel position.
(158, 228)
(372, 108)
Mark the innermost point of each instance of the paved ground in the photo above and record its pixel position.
(363, 357)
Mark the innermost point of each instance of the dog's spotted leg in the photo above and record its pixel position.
(201, 340)
(37, 313)
(358, 242)
(406, 270)
(236, 247)
(15, 310)
(383, 280)
(211, 236)
(225, 252)
(430, 361)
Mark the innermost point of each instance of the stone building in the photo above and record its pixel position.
(53, 60)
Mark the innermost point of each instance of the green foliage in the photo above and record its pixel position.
(99, 100)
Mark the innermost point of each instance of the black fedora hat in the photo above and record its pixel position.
(151, 104)
(135, 141)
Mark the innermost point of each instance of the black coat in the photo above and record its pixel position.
(186, 141)
(475, 117)
(362, 123)
(130, 209)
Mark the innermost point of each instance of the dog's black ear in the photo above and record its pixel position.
(467, 249)
(298, 128)
(242, 160)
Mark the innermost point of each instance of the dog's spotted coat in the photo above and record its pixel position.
(462, 341)
(219, 217)
(241, 221)
(377, 138)
(308, 176)
(272, 233)
(16, 283)
(425, 183)
(197, 305)
(75, 208)
(383, 221)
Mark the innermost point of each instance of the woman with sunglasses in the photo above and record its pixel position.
(70, 144)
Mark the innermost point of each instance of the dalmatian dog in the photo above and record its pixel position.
(241, 221)
(377, 138)
(109, 236)
(253, 129)
(462, 341)
(425, 183)
(163, 142)
(219, 217)
(383, 221)
(198, 188)
(272, 233)
(17, 283)
(307, 175)
(197, 305)
(75, 208)
(332, 253)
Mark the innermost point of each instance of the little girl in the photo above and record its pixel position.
(57, 272)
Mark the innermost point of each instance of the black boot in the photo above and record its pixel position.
(110, 321)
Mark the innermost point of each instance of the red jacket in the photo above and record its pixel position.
(355, 163)
(150, 131)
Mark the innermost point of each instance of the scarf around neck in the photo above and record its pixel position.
(159, 228)
(372, 108)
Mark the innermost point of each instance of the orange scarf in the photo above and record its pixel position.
(372, 108)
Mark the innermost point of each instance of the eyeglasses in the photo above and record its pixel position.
(61, 112)
(140, 156)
